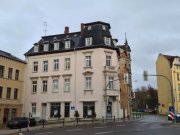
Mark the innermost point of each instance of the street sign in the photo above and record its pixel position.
(171, 112)
(171, 109)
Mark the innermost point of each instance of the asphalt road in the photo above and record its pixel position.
(151, 125)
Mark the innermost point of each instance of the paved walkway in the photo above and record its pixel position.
(6, 131)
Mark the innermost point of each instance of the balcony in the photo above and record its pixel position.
(113, 92)
(110, 69)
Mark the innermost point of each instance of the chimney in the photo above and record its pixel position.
(66, 30)
(82, 28)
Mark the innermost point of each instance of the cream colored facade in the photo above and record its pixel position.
(11, 104)
(168, 66)
(40, 104)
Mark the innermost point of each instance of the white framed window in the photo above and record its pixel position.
(88, 83)
(46, 47)
(107, 41)
(56, 64)
(45, 66)
(88, 41)
(88, 61)
(103, 27)
(89, 28)
(177, 67)
(35, 66)
(45, 85)
(67, 44)
(110, 82)
(67, 63)
(36, 48)
(55, 85)
(178, 78)
(67, 84)
(108, 60)
(179, 86)
(34, 86)
(56, 45)
(33, 107)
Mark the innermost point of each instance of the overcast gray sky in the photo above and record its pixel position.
(152, 26)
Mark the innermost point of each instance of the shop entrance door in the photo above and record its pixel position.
(109, 110)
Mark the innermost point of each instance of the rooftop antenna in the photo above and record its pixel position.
(126, 42)
(45, 28)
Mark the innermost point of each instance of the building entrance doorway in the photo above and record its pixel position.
(66, 109)
(109, 110)
(44, 107)
(6, 115)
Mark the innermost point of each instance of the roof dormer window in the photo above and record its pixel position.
(103, 27)
(67, 44)
(56, 45)
(89, 28)
(36, 48)
(107, 41)
(46, 47)
(89, 41)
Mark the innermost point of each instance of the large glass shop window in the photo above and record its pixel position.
(55, 109)
(88, 109)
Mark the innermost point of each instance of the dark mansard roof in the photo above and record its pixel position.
(97, 30)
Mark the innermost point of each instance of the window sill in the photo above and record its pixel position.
(43, 92)
(55, 91)
(88, 89)
(88, 67)
(111, 89)
(34, 71)
(33, 92)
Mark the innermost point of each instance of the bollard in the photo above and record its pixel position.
(20, 128)
(76, 121)
(63, 122)
(114, 119)
(103, 119)
(43, 123)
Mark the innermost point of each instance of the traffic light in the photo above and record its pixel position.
(145, 75)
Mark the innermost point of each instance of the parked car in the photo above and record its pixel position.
(20, 122)
(141, 110)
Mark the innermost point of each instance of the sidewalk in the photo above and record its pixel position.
(6, 131)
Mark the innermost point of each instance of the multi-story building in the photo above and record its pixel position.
(74, 71)
(169, 67)
(125, 79)
(11, 86)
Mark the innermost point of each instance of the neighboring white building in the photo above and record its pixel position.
(73, 71)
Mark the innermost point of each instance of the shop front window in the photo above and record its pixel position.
(55, 110)
(88, 109)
